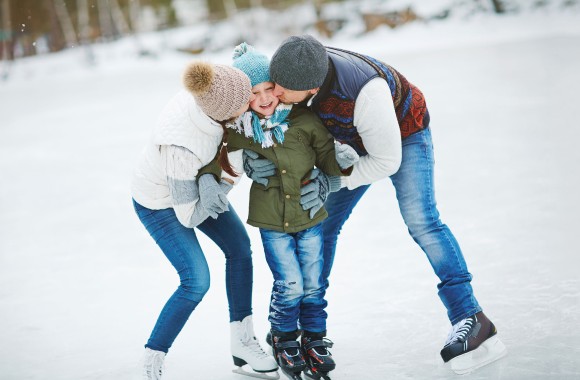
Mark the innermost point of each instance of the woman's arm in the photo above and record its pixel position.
(181, 167)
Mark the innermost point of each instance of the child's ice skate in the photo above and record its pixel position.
(288, 354)
(472, 343)
(318, 359)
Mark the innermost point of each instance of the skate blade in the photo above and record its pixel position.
(316, 376)
(321, 376)
(293, 375)
(489, 351)
(273, 375)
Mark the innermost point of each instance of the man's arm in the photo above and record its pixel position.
(377, 125)
(330, 157)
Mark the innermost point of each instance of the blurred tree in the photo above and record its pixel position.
(60, 23)
(216, 8)
(6, 34)
(83, 21)
(56, 40)
(84, 29)
(220, 9)
(65, 23)
(498, 6)
(163, 10)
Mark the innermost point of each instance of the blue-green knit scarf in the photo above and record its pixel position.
(264, 131)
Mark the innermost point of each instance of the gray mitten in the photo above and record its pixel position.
(346, 156)
(211, 196)
(258, 169)
(314, 194)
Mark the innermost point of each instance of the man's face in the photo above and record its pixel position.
(291, 96)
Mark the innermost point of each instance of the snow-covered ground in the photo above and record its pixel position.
(81, 282)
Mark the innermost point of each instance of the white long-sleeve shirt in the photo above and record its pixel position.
(377, 125)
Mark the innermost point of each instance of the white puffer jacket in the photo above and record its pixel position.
(181, 124)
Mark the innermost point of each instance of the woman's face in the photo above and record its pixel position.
(265, 102)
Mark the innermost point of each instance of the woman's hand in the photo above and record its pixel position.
(212, 196)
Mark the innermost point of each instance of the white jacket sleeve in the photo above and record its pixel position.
(181, 167)
(377, 125)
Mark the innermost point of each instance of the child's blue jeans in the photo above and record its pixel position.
(296, 263)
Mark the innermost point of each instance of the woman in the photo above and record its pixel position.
(172, 203)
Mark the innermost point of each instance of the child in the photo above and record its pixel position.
(295, 140)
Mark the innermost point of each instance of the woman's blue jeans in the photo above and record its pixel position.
(298, 292)
(414, 185)
(182, 249)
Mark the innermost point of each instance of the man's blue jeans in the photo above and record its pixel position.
(414, 185)
(298, 292)
(182, 249)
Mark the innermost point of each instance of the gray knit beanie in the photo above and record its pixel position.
(300, 63)
(219, 90)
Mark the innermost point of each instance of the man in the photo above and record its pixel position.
(373, 108)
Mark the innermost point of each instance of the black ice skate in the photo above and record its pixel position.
(269, 336)
(318, 359)
(288, 354)
(472, 343)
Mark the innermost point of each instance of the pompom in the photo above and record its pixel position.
(198, 77)
(241, 49)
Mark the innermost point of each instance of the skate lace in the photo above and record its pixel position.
(459, 331)
(252, 343)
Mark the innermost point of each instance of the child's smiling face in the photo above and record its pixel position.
(265, 102)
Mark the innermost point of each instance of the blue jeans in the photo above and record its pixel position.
(298, 292)
(182, 249)
(414, 185)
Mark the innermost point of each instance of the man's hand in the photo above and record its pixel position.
(258, 169)
(346, 156)
(212, 196)
(314, 193)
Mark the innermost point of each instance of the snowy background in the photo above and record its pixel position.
(82, 283)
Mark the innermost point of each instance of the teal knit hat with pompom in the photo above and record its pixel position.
(255, 65)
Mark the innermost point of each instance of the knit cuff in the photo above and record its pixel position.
(198, 216)
(226, 186)
(334, 183)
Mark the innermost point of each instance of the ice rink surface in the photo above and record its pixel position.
(81, 282)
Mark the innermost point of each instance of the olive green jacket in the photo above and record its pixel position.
(306, 143)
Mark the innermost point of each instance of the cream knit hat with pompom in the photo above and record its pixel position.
(219, 90)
